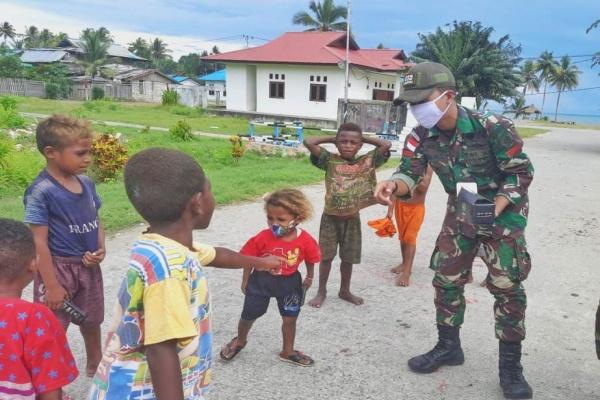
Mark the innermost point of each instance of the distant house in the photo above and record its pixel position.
(147, 84)
(215, 83)
(185, 81)
(70, 51)
(302, 74)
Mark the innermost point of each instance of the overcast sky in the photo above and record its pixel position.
(192, 26)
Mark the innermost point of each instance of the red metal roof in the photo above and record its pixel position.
(325, 48)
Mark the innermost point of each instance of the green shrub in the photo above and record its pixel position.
(11, 119)
(91, 105)
(109, 156)
(6, 146)
(97, 93)
(181, 131)
(181, 110)
(8, 103)
(170, 98)
(52, 90)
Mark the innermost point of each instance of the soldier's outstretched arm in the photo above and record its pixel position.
(412, 168)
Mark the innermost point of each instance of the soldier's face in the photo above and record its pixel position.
(348, 143)
(442, 98)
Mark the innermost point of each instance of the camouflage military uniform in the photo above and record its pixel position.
(484, 149)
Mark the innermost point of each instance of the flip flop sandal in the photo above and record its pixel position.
(231, 350)
(298, 358)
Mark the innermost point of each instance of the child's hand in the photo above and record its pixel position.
(383, 192)
(55, 296)
(94, 259)
(244, 285)
(307, 282)
(270, 263)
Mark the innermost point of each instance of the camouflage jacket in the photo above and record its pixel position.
(484, 149)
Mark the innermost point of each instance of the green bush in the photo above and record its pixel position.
(8, 103)
(6, 146)
(170, 98)
(97, 93)
(181, 131)
(109, 156)
(181, 110)
(52, 90)
(11, 119)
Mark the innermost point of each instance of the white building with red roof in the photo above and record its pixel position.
(302, 74)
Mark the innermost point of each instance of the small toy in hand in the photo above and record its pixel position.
(384, 227)
(76, 314)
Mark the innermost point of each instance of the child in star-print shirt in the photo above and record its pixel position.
(35, 359)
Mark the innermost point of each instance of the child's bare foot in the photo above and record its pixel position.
(318, 300)
(403, 279)
(351, 298)
(398, 269)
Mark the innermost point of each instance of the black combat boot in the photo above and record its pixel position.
(512, 381)
(447, 351)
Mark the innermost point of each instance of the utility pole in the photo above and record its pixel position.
(347, 62)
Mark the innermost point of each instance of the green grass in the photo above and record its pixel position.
(231, 181)
(556, 125)
(143, 114)
(530, 132)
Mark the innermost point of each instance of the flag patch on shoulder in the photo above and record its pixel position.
(412, 142)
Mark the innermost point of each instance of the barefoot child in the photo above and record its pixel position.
(349, 184)
(61, 207)
(35, 358)
(160, 346)
(409, 217)
(285, 209)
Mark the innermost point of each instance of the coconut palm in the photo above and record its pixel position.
(95, 46)
(45, 38)
(483, 68)
(545, 67)
(594, 25)
(7, 31)
(140, 48)
(158, 50)
(564, 76)
(518, 106)
(327, 17)
(529, 77)
(31, 36)
(596, 58)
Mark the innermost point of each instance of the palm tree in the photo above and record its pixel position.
(596, 58)
(529, 77)
(95, 46)
(518, 106)
(158, 50)
(7, 31)
(594, 25)
(31, 36)
(327, 17)
(564, 76)
(140, 48)
(58, 38)
(545, 67)
(483, 68)
(45, 38)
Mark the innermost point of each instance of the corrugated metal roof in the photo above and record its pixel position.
(178, 78)
(114, 50)
(220, 75)
(42, 55)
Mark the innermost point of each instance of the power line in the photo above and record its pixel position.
(566, 55)
(565, 91)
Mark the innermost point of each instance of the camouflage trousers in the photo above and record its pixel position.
(508, 264)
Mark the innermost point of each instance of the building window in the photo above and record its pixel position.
(312, 78)
(282, 76)
(224, 93)
(141, 87)
(324, 79)
(318, 92)
(392, 85)
(211, 92)
(277, 90)
(270, 76)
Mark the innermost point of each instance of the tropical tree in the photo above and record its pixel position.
(596, 58)
(158, 50)
(95, 46)
(483, 68)
(545, 67)
(518, 106)
(564, 77)
(380, 46)
(31, 37)
(58, 38)
(326, 17)
(140, 48)
(529, 77)
(45, 38)
(7, 31)
(215, 50)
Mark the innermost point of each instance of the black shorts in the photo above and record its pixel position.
(263, 285)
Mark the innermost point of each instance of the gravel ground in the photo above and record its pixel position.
(361, 351)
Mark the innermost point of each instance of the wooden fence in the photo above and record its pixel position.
(373, 116)
(22, 87)
(83, 91)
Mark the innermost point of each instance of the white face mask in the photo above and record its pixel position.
(428, 114)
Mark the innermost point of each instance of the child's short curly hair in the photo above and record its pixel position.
(16, 249)
(59, 131)
(293, 200)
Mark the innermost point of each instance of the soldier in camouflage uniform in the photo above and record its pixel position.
(466, 146)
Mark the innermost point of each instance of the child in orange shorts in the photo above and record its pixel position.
(409, 217)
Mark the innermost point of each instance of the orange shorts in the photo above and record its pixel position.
(409, 218)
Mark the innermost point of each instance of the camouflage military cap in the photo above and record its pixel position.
(422, 79)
